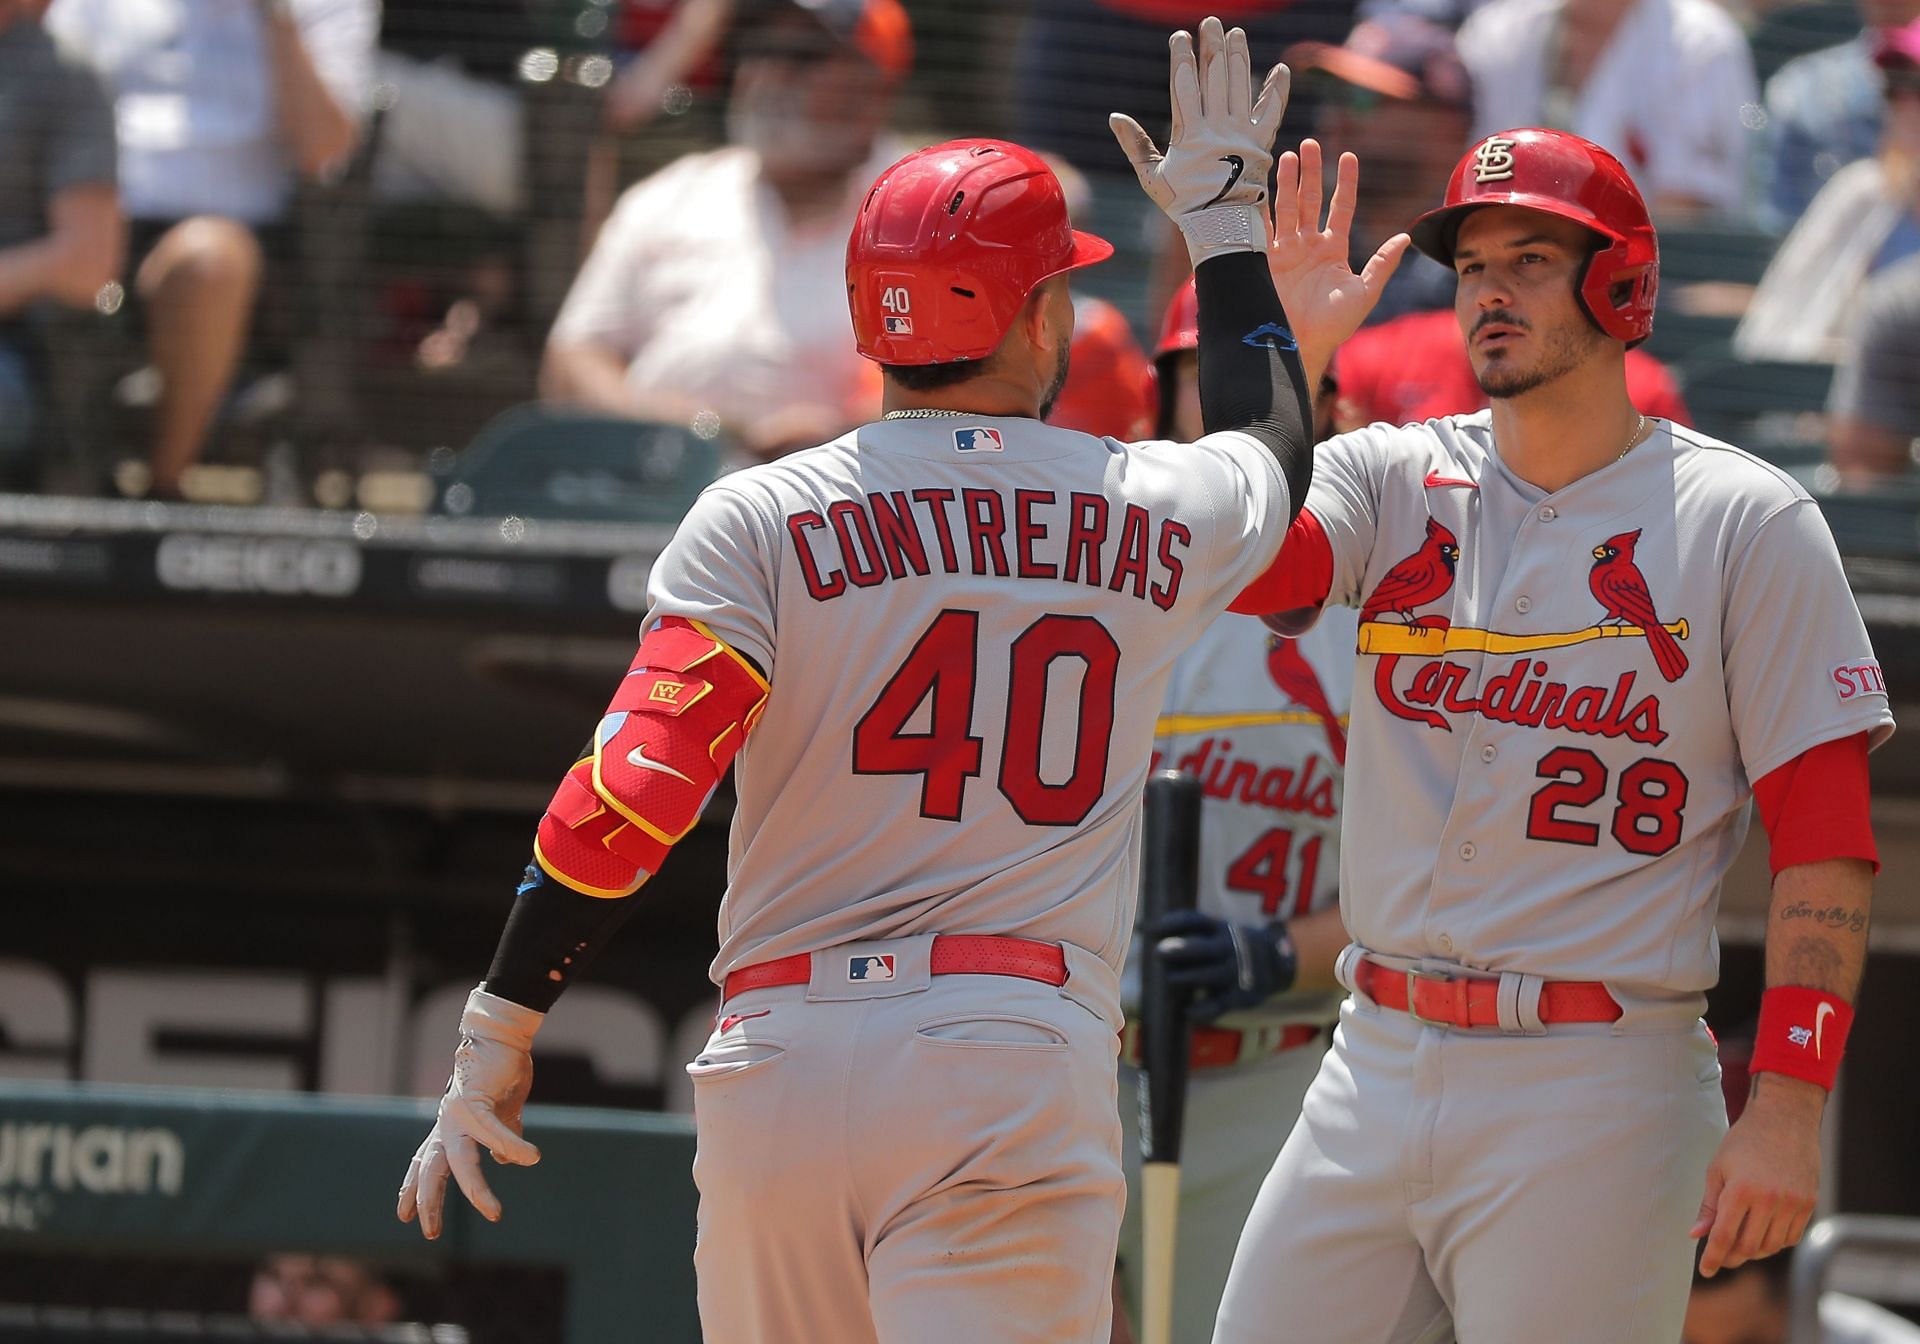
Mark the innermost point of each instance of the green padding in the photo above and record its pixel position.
(132, 1170)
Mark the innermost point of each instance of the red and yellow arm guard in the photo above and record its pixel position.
(681, 713)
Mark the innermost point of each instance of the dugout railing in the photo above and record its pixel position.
(181, 1176)
(1825, 1244)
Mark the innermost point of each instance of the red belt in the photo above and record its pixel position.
(1474, 1001)
(1218, 1047)
(953, 954)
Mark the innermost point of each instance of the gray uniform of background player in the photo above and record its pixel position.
(1529, 1187)
(1273, 780)
(879, 1157)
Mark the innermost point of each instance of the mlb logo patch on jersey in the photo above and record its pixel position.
(898, 326)
(978, 440)
(870, 968)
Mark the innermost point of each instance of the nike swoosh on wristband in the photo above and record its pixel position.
(1235, 166)
(638, 757)
(1435, 478)
(1820, 1016)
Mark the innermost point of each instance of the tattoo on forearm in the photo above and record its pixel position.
(1817, 964)
(1851, 918)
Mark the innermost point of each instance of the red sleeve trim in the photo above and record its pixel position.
(1300, 576)
(1815, 807)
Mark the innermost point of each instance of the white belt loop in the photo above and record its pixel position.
(1345, 969)
(1519, 1002)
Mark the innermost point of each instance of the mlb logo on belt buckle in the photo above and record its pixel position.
(978, 441)
(870, 968)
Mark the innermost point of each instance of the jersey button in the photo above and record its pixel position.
(1467, 851)
(1523, 604)
(1446, 942)
(1488, 752)
(1548, 513)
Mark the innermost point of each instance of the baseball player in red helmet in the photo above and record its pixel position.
(1588, 639)
(935, 647)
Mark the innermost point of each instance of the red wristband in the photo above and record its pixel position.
(1803, 1033)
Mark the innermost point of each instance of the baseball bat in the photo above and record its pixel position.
(1169, 880)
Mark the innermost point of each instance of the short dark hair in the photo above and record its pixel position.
(933, 377)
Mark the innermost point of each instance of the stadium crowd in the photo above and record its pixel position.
(261, 249)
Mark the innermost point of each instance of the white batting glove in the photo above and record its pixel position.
(492, 1074)
(1212, 180)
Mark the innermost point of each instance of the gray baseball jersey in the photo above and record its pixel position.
(968, 625)
(1564, 700)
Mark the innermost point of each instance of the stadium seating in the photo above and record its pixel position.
(549, 462)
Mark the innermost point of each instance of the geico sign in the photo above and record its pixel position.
(258, 565)
(99, 1159)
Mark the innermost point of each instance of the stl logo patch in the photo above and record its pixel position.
(978, 441)
(1853, 680)
(870, 968)
(667, 692)
(1800, 1036)
(1493, 160)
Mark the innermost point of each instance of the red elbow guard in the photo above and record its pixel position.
(681, 714)
(1803, 1033)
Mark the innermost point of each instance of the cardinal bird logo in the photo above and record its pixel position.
(1297, 681)
(1423, 577)
(1618, 585)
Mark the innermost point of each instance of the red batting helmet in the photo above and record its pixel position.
(1180, 328)
(1562, 175)
(948, 245)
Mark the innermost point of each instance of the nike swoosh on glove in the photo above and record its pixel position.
(1225, 966)
(1212, 179)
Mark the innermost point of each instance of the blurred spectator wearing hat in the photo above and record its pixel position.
(1866, 218)
(1396, 94)
(1873, 413)
(1661, 83)
(221, 105)
(1824, 111)
(61, 233)
(715, 295)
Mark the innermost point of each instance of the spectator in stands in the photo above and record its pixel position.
(1416, 368)
(61, 235)
(1824, 111)
(1748, 1305)
(1664, 84)
(220, 106)
(320, 1290)
(1396, 94)
(716, 293)
(1873, 413)
(1864, 219)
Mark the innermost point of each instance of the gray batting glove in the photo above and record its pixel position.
(492, 1074)
(1212, 180)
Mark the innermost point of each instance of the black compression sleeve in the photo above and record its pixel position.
(1251, 378)
(552, 932)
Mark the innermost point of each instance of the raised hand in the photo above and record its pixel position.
(1212, 179)
(1325, 301)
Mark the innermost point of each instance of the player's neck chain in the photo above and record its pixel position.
(1634, 437)
(920, 413)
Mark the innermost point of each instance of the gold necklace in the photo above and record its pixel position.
(920, 413)
(1633, 438)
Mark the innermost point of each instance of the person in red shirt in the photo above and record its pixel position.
(1415, 368)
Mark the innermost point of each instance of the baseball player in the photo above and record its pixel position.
(1587, 639)
(1261, 721)
(936, 646)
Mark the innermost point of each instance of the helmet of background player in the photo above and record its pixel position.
(1179, 333)
(1109, 390)
(947, 246)
(813, 81)
(1561, 174)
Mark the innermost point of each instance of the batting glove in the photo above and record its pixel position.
(492, 1074)
(1225, 966)
(1212, 179)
